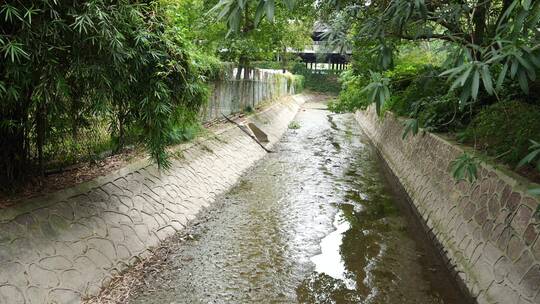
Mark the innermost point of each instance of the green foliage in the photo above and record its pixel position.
(299, 82)
(485, 52)
(411, 126)
(421, 95)
(318, 81)
(208, 66)
(421, 53)
(479, 37)
(532, 156)
(413, 83)
(467, 77)
(433, 112)
(89, 144)
(377, 90)
(351, 96)
(403, 74)
(294, 125)
(324, 83)
(465, 167)
(504, 129)
(233, 11)
(251, 37)
(272, 65)
(68, 64)
(488, 43)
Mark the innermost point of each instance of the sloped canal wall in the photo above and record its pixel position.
(487, 230)
(67, 245)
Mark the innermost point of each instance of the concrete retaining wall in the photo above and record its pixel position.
(487, 229)
(65, 246)
(232, 95)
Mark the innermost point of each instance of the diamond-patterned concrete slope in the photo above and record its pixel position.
(60, 248)
(487, 229)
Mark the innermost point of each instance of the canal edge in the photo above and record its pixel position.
(67, 246)
(482, 230)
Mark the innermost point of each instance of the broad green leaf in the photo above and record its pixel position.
(534, 59)
(463, 78)
(506, 14)
(528, 159)
(289, 3)
(453, 71)
(465, 167)
(514, 68)
(523, 81)
(464, 97)
(411, 126)
(269, 8)
(475, 84)
(259, 13)
(502, 76)
(486, 79)
(524, 63)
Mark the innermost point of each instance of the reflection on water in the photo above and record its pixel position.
(313, 223)
(329, 261)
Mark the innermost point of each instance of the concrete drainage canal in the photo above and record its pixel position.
(314, 222)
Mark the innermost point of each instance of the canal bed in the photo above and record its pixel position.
(314, 222)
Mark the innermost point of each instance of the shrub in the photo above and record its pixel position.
(403, 75)
(504, 129)
(351, 97)
(298, 83)
(294, 125)
(409, 83)
(426, 98)
(324, 83)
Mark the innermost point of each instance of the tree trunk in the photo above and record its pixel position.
(479, 22)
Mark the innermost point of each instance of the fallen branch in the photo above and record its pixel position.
(249, 134)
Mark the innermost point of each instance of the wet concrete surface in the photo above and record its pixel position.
(315, 222)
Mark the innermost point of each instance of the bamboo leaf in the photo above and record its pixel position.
(270, 10)
(259, 13)
(475, 84)
(528, 159)
(514, 68)
(523, 81)
(502, 76)
(486, 79)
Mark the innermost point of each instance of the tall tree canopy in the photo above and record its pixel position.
(489, 41)
(259, 30)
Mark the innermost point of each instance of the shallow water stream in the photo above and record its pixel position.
(315, 222)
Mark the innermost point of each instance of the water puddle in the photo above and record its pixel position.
(329, 261)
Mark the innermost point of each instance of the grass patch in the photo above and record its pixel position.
(294, 125)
